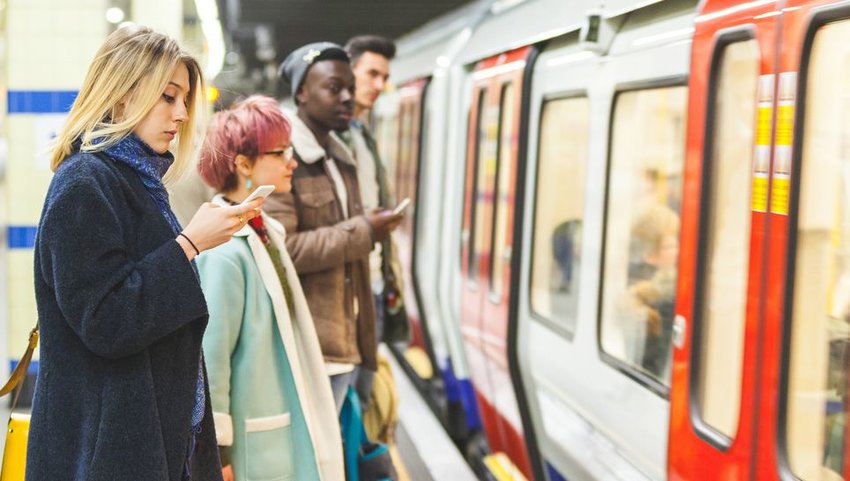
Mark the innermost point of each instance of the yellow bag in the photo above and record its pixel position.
(15, 452)
(381, 416)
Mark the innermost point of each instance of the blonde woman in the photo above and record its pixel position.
(274, 410)
(121, 391)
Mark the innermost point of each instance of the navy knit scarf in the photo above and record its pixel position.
(151, 167)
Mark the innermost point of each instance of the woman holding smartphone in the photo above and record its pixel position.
(272, 402)
(121, 391)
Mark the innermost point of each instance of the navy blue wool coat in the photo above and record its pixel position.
(122, 316)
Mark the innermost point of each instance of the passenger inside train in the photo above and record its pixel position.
(648, 311)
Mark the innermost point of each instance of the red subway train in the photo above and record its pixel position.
(628, 251)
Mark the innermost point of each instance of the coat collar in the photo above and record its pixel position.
(308, 148)
(246, 230)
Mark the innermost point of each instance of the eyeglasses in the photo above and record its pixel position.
(286, 153)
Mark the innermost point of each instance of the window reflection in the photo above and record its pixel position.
(642, 228)
(722, 320)
(820, 323)
(557, 249)
(504, 193)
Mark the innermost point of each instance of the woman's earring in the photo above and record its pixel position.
(248, 184)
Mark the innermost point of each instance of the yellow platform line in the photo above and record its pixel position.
(502, 468)
(418, 359)
(399, 465)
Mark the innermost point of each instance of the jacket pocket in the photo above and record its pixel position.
(268, 448)
(320, 209)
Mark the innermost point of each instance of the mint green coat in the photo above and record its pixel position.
(271, 398)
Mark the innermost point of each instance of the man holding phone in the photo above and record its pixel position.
(328, 236)
(370, 63)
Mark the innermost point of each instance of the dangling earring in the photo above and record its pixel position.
(248, 184)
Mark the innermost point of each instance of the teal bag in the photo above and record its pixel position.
(364, 460)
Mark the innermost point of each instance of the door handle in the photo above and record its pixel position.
(679, 330)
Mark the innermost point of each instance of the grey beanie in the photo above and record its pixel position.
(295, 66)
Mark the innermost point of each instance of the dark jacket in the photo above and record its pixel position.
(330, 252)
(122, 316)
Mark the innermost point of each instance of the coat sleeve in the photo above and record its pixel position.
(117, 305)
(224, 286)
(324, 248)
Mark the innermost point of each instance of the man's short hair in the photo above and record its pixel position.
(369, 43)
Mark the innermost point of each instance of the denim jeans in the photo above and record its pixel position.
(339, 386)
(365, 377)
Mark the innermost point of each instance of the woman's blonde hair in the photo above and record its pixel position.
(126, 79)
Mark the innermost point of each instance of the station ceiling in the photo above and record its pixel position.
(260, 33)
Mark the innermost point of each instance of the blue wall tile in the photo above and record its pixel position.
(40, 101)
(21, 236)
(32, 370)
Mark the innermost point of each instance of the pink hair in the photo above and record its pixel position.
(250, 127)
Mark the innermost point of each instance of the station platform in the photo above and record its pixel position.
(425, 451)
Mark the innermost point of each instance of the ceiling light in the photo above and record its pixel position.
(211, 26)
(114, 15)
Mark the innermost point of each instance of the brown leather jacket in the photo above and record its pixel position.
(330, 253)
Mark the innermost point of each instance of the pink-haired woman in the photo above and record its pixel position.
(274, 412)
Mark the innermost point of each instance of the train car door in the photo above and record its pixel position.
(807, 303)
(406, 175)
(491, 170)
(718, 342)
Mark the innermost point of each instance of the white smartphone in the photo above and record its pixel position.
(261, 191)
(401, 206)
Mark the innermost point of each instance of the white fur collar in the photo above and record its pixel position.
(308, 147)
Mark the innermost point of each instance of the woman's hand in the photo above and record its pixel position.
(213, 225)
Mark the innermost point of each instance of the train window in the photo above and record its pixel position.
(407, 145)
(485, 171)
(641, 247)
(500, 252)
(558, 211)
(406, 175)
(386, 132)
(725, 257)
(819, 362)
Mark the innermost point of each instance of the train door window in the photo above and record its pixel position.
(503, 197)
(472, 262)
(485, 171)
(386, 132)
(641, 246)
(407, 150)
(402, 150)
(558, 211)
(725, 256)
(819, 354)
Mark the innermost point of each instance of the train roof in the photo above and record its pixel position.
(486, 27)
(436, 43)
(516, 23)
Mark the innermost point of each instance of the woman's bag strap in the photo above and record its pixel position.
(23, 365)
